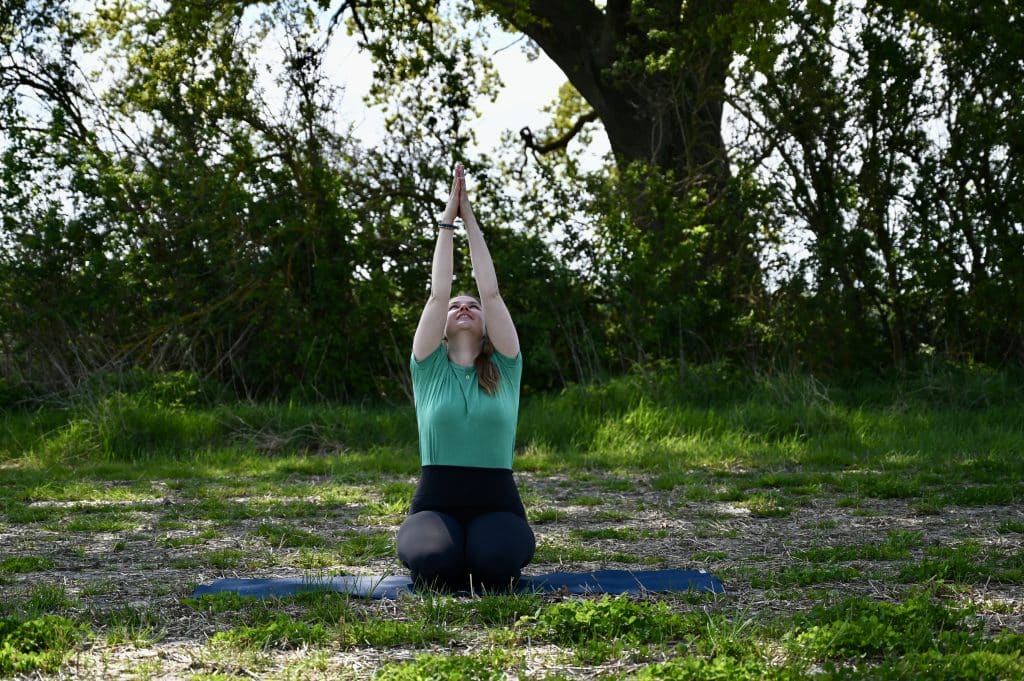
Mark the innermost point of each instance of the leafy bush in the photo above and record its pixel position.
(36, 644)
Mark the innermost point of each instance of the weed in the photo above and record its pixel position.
(984, 495)
(285, 536)
(767, 505)
(706, 530)
(504, 609)
(357, 547)
(1011, 527)
(575, 552)
(796, 575)
(114, 521)
(896, 547)
(282, 632)
(46, 598)
(21, 564)
(315, 560)
(439, 610)
(327, 607)
(102, 587)
(386, 632)
(138, 626)
(539, 516)
(226, 601)
(965, 564)
(719, 668)
(626, 534)
(225, 559)
(598, 629)
(40, 643)
(859, 626)
(482, 667)
(670, 480)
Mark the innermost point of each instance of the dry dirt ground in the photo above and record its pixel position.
(142, 568)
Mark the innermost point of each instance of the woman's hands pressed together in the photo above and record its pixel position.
(458, 203)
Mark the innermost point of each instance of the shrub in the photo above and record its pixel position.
(36, 644)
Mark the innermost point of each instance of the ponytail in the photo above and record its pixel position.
(487, 373)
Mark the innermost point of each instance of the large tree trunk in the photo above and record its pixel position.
(669, 116)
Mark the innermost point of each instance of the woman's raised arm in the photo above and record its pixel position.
(430, 330)
(500, 328)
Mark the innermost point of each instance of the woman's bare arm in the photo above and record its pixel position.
(500, 328)
(430, 330)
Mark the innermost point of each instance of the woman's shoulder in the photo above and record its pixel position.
(431, 362)
(509, 366)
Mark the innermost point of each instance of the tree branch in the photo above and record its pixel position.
(559, 142)
(554, 26)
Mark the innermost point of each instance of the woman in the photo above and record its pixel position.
(466, 527)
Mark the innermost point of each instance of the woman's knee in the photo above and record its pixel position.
(432, 545)
(498, 546)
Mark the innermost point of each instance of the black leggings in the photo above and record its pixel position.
(466, 526)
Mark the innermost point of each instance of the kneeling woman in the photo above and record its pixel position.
(467, 526)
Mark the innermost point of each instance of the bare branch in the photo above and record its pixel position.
(560, 142)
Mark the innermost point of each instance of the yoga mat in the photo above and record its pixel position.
(598, 582)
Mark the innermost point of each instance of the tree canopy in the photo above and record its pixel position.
(834, 185)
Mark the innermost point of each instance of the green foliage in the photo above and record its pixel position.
(896, 547)
(47, 598)
(719, 668)
(286, 536)
(357, 547)
(123, 427)
(859, 626)
(864, 217)
(38, 644)
(505, 609)
(607, 619)
(965, 563)
(138, 626)
(800, 575)
(481, 667)
(282, 632)
(971, 664)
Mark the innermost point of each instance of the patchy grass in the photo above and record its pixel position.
(868, 532)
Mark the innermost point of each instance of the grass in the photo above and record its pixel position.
(864, 531)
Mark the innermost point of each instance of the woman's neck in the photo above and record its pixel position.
(463, 351)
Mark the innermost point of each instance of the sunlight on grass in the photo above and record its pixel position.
(798, 494)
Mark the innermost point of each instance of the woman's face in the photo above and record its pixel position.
(464, 315)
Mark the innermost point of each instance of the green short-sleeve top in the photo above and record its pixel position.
(459, 423)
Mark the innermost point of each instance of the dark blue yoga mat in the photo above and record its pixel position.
(598, 582)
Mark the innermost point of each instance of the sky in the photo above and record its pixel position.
(529, 86)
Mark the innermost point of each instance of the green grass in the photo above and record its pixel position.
(802, 495)
(897, 546)
(20, 564)
(286, 536)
